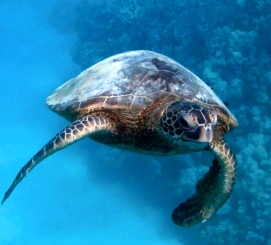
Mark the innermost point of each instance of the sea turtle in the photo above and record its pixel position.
(145, 102)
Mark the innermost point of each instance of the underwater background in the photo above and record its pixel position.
(92, 194)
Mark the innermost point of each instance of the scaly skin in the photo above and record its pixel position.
(213, 190)
(76, 131)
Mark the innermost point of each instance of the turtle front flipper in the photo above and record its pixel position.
(212, 191)
(79, 129)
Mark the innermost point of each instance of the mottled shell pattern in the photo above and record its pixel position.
(129, 81)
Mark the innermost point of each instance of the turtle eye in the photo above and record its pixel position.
(188, 121)
(183, 122)
(213, 117)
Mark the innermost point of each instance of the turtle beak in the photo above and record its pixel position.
(206, 134)
(203, 134)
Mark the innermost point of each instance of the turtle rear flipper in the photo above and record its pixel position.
(212, 191)
(86, 126)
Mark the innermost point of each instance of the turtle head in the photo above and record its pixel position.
(189, 124)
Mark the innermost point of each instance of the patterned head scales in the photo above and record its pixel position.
(188, 121)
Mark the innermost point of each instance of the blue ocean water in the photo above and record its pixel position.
(92, 194)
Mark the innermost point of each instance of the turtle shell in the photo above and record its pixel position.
(129, 81)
